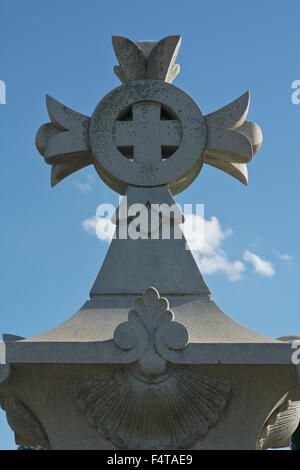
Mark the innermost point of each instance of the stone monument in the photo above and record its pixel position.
(149, 361)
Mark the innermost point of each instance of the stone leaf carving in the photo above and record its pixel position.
(232, 141)
(64, 142)
(26, 426)
(146, 59)
(279, 428)
(169, 412)
(151, 329)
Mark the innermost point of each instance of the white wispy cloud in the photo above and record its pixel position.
(260, 265)
(205, 239)
(103, 228)
(204, 235)
(90, 224)
(284, 257)
(219, 262)
(207, 247)
(85, 185)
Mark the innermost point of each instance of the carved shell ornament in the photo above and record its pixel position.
(171, 412)
(151, 404)
(148, 132)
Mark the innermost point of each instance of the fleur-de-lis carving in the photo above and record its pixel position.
(146, 59)
(150, 329)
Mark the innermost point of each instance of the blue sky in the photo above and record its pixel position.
(63, 48)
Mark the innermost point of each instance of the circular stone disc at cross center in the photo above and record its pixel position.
(147, 133)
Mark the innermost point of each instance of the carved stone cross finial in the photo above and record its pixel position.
(148, 133)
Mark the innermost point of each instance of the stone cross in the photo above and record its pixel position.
(148, 133)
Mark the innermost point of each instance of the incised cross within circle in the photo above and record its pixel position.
(158, 127)
(147, 133)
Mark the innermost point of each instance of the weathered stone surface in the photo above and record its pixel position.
(48, 389)
(151, 407)
(146, 59)
(64, 141)
(232, 141)
(147, 263)
(27, 428)
(214, 338)
(147, 133)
